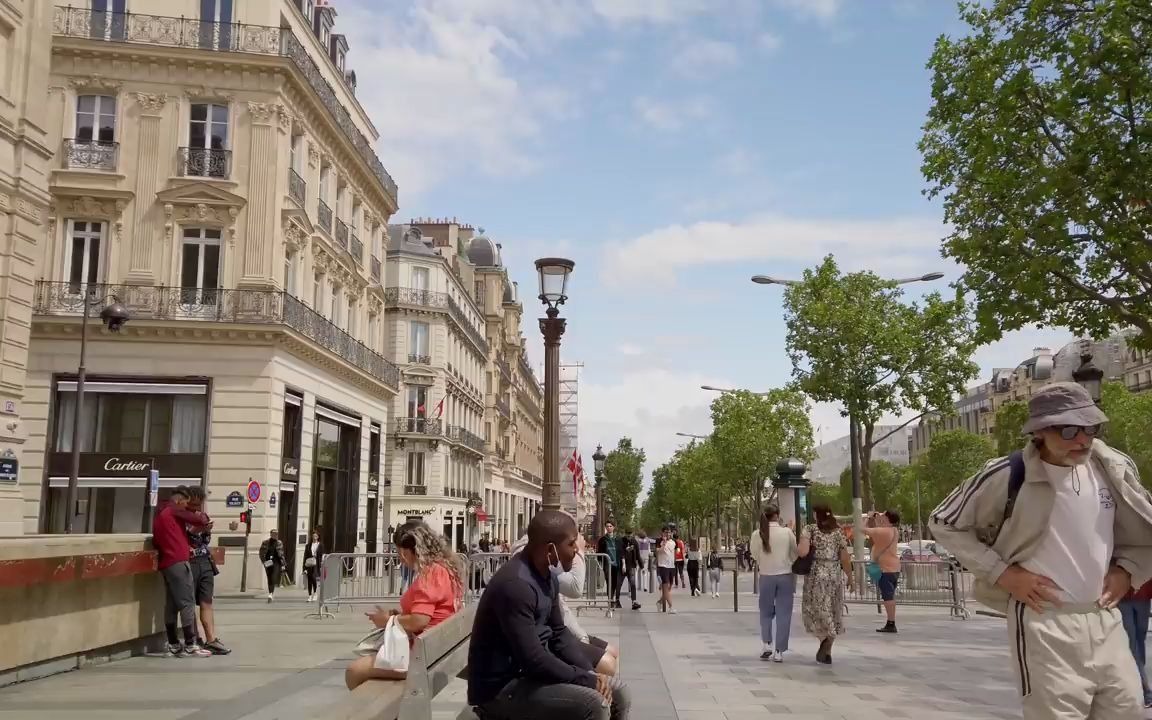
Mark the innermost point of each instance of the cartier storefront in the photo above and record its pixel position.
(130, 426)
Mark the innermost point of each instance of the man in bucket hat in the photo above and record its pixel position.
(1056, 535)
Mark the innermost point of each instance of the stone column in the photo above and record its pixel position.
(269, 123)
(151, 172)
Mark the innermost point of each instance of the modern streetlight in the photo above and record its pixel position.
(114, 316)
(853, 423)
(726, 390)
(554, 274)
(1090, 377)
(598, 459)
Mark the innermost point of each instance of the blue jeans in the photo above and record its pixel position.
(776, 593)
(1135, 614)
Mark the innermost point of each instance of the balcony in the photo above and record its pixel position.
(297, 188)
(341, 233)
(502, 407)
(505, 369)
(396, 296)
(91, 155)
(376, 269)
(415, 489)
(419, 426)
(1140, 387)
(205, 162)
(247, 307)
(466, 438)
(470, 330)
(356, 248)
(415, 359)
(158, 30)
(324, 217)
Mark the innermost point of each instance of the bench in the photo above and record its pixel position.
(438, 656)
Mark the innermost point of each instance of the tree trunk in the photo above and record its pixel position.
(865, 445)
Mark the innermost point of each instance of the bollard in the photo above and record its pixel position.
(756, 580)
(735, 588)
(652, 577)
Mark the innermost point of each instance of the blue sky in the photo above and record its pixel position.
(671, 150)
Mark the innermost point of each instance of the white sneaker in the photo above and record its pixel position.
(311, 598)
(269, 597)
(672, 610)
(778, 657)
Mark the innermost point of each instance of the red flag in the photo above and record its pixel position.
(440, 408)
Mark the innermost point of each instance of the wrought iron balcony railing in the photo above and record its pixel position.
(341, 233)
(415, 489)
(466, 438)
(416, 359)
(395, 296)
(205, 162)
(297, 188)
(419, 426)
(504, 368)
(502, 406)
(254, 307)
(136, 28)
(376, 268)
(469, 329)
(91, 154)
(356, 248)
(324, 217)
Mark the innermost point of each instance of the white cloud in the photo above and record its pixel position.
(656, 256)
(698, 58)
(819, 9)
(630, 350)
(668, 115)
(738, 161)
(652, 11)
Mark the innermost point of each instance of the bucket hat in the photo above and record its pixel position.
(1062, 403)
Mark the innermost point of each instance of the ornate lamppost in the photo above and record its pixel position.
(598, 459)
(1090, 377)
(553, 292)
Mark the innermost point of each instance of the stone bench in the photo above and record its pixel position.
(438, 656)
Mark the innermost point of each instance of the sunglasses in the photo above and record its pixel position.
(1069, 432)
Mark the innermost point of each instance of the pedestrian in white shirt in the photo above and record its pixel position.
(666, 568)
(773, 549)
(1056, 536)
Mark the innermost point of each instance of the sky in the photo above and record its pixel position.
(672, 149)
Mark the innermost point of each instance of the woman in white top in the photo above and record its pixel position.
(773, 549)
(666, 568)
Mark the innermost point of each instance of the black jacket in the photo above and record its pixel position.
(320, 553)
(618, 546)
(631, 554)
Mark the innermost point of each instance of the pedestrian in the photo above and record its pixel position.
(313, 562)
(204, 572)
(822, 603)
(882, 531)
(666, 568)
(774, 549)
(1134, 611)
(681, 557)
(436, 593)
(1055, 534)
(631, 564)
(644, 545)
(740, 555)
(523, 662)
(272, 556)
(715, 568)
(173, 553)
(694, 567)
(612, 548)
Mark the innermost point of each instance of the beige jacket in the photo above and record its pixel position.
(966, 522)
(779, 561)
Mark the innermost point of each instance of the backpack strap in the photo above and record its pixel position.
(1016, 472)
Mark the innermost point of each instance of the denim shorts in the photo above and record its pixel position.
(887, 585)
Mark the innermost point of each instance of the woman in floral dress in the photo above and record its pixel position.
(823, 603)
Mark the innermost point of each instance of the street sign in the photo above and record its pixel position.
(9, 469)
(253, 491)
(153, 487)
(234, 500)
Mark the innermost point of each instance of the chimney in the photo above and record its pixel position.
(1037, 352)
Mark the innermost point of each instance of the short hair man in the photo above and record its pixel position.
(204, 572)
(173, 553)
(524, 664)
(1078, 535)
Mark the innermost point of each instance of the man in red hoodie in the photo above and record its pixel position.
(173, 553)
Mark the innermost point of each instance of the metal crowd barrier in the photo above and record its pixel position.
(365, 579)
(922, 584)
(597, 594)
(481, 567)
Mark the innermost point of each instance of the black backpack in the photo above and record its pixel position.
(1015, 482)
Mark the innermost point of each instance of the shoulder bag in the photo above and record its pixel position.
(803, 565)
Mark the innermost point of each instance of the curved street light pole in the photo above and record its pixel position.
(853, 422)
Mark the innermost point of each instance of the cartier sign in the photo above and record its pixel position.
(115, 464)
(129, 465)
(289, 469)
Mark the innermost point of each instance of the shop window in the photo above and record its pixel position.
(133, 423)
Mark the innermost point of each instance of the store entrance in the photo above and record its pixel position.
(336, 486)
(286, 523)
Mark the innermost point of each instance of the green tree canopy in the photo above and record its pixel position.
(1010, 418)
(893, 488)
(1040, 143)
(622, 480)
(752, 432)
(1129, 428)
(854, 341)
(657, 507)
(952, 457)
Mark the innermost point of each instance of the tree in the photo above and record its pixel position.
(623, 479)
(952, 457)
(854, 341)
(696, 483)
(831, 495)
(1010, 418)
(892, 489)
(1039, 142)
(656, 509)
(752, 432)
(1129, 420)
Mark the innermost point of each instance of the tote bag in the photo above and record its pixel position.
(390, 646)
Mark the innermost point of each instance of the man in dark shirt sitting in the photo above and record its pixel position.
(523, 663)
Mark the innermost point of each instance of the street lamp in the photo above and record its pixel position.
(598, 459)
(713, 388)
(554, 274)
(853, 422)
(114, 317)
(1090, 377)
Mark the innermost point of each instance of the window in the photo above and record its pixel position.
(352, 311)
(200, 266)
(334, 305)
(290, 274)
(419, 278)
(317, 292)
(415, 468)
(215, 24)
(96, 118)
(324, 173)
(132, 423)
(294, 152)
(418, 339)
(417, 401)
(108, 19)
(293, 422)
(208, 140)
(374, 450)
(84, 254)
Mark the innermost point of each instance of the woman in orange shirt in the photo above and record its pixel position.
(435, 594)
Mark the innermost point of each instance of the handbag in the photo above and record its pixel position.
(389, 644)
(803, 565)
(310, 562)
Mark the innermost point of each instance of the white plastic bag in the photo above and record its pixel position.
(394, 651)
